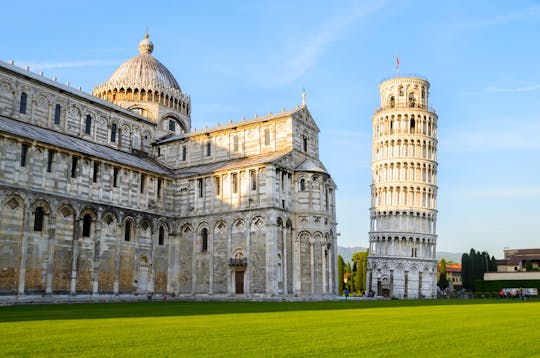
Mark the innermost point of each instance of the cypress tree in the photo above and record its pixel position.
(341, 265)
(465, 271)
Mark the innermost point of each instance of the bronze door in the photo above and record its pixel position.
(239, 281)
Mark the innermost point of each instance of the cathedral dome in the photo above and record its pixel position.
(143, 85)
(143, 72)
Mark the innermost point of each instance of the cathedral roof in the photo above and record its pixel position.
(310, 166)
(142, 72)
(78, 145)
(231, 164)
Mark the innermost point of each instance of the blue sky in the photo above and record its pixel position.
(240, 58)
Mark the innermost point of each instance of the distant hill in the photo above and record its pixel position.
(347, 252)
(449, 256)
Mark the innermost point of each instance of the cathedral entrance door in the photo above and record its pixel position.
(239, 281)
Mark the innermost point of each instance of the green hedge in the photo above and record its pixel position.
(496, 286)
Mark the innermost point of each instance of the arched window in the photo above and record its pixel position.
(236, 144)
(208, 148)
(204, 239)
(172, 125)
(87, 224)
(412, 125)
(304, 144)
(38, 219)
(267, 136)
(302, 184)
(88, 125)
(113, 132)
(412, 100)
(57, 112)
(127, 230)
(392, 101)
(184, 153)
(401, 91)
(22, 108)
(423, 93)
(161, 238)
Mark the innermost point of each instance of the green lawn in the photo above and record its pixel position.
(366, 328)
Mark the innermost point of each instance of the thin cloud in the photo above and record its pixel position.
(70, 64)
(326, 35)
(491, 141)
(514, 90)
(507, 192)
(502, 19)
(283, 68)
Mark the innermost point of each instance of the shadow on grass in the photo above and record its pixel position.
(187, 308)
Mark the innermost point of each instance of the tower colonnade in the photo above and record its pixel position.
(403, 214)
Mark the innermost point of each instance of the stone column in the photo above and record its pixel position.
(75, 253)
(51, 245)
(24, 249)
(211, 257)
(312, 265)
(97, 250)
(297, 285)
(284, 260)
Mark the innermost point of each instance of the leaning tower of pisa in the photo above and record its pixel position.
(402, 236)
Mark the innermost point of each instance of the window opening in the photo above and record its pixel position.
(115, 177)
(127, 230)
(96, 172)
(161, 238)
(235, 182)
(24, 98)
(24, 151)
(57, 112)
(87, 223)
(113, 133)
(74, 162)
(204, 239)
(50, 156)
(38, 219)
(143, 182)
(200, 186)
(88, 125)
(253, 179)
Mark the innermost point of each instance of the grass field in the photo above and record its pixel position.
(240, 329)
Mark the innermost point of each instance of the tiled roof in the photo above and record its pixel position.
(309, 166)
(82, 146)
(230, 164)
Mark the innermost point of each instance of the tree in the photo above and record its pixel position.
(528, 266)
(360, 259)
(443, 280)
(341, 265)
(492, 264)
(466, 271)
(348, 272)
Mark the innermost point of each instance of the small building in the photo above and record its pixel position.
(515, 260)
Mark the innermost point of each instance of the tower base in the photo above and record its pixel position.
(402, 278)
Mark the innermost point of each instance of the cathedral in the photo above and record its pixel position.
(113, 196)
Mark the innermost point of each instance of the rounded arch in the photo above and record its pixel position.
(39, 202)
